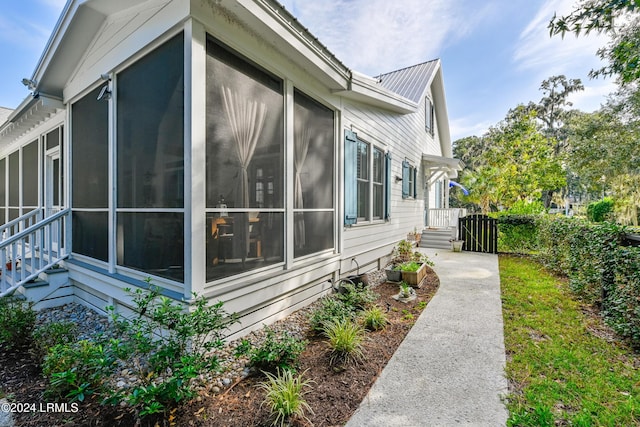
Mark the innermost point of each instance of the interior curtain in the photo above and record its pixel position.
(302, 139)
(246, 119)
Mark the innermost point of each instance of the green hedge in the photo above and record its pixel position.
(518, 233)
(600, 270)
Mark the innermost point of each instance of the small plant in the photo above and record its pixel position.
(356, 297)
(374, 319)
(77, 369)
(407, 315)
(17, 321)
(402, 253)
(406, 291)
(345, 338)
(329, 310)
(49, 335)
(412, 266)
(175, 344)
(285, 396)
(277, 352)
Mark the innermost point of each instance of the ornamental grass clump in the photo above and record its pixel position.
(285, 396)
(345, 337)
(374, 319)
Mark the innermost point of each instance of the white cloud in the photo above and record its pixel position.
(536, 50)
(377, 36)
(22, 33)
(593, 95)
(467, 126)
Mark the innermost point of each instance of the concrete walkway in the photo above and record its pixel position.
(449, 370)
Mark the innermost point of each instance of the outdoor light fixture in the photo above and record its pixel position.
(105, 93)
(30, 84)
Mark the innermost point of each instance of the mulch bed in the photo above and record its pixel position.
(334, 396)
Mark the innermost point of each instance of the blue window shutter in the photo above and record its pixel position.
(405, 179)
(387, 188)
(415, 183)
(350, 178)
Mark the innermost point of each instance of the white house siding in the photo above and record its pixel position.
(266, 295)
(122, 38)
(405, 136)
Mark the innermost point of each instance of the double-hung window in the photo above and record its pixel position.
(367, 181)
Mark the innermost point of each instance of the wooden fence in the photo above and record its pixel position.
(479, 232)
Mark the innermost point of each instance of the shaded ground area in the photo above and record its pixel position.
(334, 396)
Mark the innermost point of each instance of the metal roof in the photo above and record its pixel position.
(4, 114)
(410, 82)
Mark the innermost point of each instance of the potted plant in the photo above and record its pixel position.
(393, 273)
(413, 272)
(406, 294)
(400, 253)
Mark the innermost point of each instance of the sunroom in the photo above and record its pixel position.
(195, 165)
(194, 152)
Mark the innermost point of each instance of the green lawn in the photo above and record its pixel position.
(561, 371)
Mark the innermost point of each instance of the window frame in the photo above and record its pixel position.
(370, 216)
(429, 119)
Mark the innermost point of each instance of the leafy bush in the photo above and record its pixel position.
(345, 337)
(622, 303)
(356, 298)
(329, 310)
(277, 352)
(600, 211)
(523, 207)
(175, 344)
(17, 321)
(518, 233)
(285, 396)
(49, 335)
(600, 270)
(77, 369)
(374, 319)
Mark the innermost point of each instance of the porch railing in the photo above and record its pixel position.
(21, 223)
(32, 250)
(444, 218)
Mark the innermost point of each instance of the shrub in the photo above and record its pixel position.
(49, 335)
(329, 309)
(175, 345)
(17, 321)
(523, 207)
(345, 338)
(622, 304)
(601, 210)
(285, 396)
(600, 270)
(518, 233)
(374, 319)
(77, 369)
(356, 298)
(277, 352)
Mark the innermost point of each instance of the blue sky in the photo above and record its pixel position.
(494, 53)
